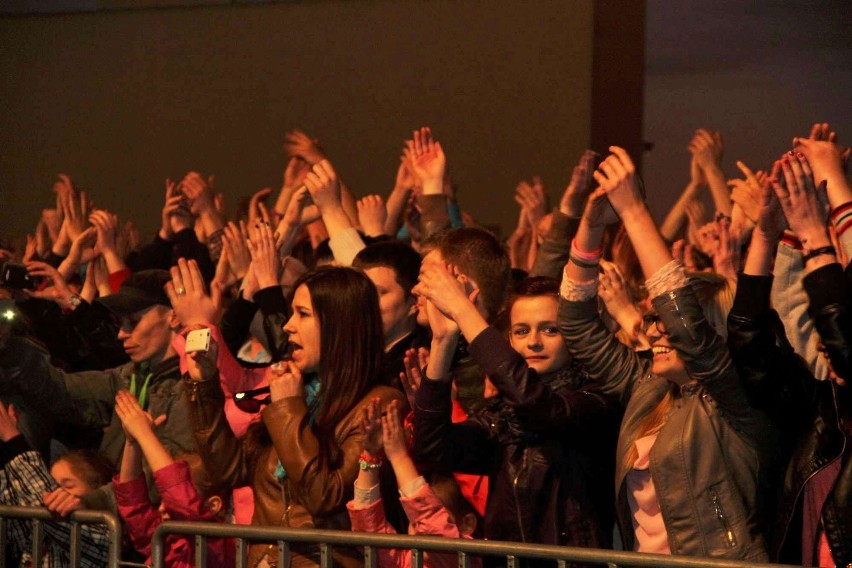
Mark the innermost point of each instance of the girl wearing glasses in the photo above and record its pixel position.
(690, 450)
(302, 458)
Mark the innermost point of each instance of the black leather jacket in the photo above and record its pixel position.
(545, 444)
(810, 414)
(708, 458)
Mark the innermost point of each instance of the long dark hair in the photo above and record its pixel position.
(346, 304)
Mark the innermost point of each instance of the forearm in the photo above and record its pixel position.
(131, 462)
(760, 255)
(719, 189)
(441, 358)
(649, 245)
(404, 469)
(677, 214)
(114, 262)
(155, 454)
(396, 207)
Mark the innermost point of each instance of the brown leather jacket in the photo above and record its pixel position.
(310, 495)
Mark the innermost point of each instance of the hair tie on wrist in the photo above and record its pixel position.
(585, 256)
(819, 252)
(583, 263)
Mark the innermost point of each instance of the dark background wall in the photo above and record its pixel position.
(759, 72)
(121, 99)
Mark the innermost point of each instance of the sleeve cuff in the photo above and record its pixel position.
(490, 350)
(752, 296)
(825, 286)
(271, 301)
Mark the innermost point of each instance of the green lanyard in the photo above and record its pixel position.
(142, 396)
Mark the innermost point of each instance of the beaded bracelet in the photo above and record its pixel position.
(819, 252)
(368, 461)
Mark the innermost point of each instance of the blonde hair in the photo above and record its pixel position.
(652, 422)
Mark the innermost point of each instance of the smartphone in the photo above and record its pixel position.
(17, 277)
(198, 340)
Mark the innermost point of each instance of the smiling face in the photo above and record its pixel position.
(147, 335)
(667, 363)
(535, 335)
(304, 329)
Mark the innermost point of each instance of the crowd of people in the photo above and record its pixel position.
(387, 365)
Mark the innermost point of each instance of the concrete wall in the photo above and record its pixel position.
(122, 99)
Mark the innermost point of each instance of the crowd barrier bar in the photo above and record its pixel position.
(465, 548)
(77, 518)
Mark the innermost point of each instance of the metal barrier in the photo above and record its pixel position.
(77, 518)
(465, 548)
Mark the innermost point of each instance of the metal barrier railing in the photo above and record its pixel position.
(327, 539)
(40, 514)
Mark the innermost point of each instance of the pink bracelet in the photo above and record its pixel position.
(584, 256)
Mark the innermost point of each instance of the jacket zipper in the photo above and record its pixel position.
(515, 479)
(723, 519)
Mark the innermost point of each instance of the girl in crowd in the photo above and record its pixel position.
(545, 441)
(183, 485)
(436, 508)
(690, 448)
(302, 458)
(25, 481)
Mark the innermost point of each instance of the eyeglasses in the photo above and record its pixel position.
(246, 402)
(653, 319)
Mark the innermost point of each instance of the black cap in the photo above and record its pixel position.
(140, 291)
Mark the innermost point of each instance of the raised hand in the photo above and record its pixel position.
(199, 192)
(428, 161)
(235, 242)
(323, 185)
(828, 160)
(106, 225)
(76, 213)
(746, 192)
(574, 197)
(255, 214)
(770, 219)
(371, 428)
(285, 381)
(797, 193)
(301, 210)
(617, 178)
(393, 433)
(175, 215)
(265, 263)
(726, 250)
(414, 361)
(532, 200)
(598, 212)
(136, 422)
(298, 144)
(188, 295)
(707, 148)
(372, 215)
(444, 287)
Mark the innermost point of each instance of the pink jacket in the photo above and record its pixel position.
(427, 516)
(182, 503)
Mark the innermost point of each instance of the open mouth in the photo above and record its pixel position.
(661, 350)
